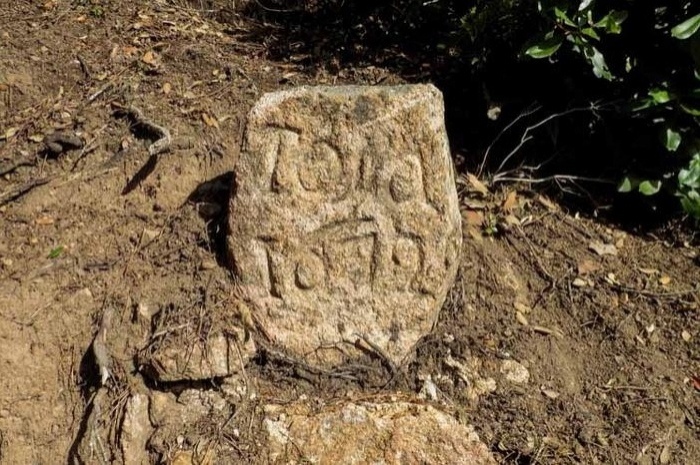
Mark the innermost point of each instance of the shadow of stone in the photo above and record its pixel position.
(89, 382)
(211, 199)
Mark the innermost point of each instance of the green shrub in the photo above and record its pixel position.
(654, 67)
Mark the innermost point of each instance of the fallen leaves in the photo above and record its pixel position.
(150, 58)
(511, 201)
(695, 381)
(548, 204)
(477, 185)
(44, 221)
(602, 249)
(586, 266)
(209, 120)
(473, 218)
(686, 336)
(549, 393)
(9, 133)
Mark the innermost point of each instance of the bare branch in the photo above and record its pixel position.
(528, 112)
(555, 178)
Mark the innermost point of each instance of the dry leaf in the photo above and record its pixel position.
(512, 220)
(477, 185)
(473, 218)
(36, 138)
(9, 133)
(44, 221)
(664, 280)
(521, 319)
(602, 249)
(167, 87)
(475, 234)
(511, 201)
(209, 121)
(545, 202)
(648, 270)
(587, 266)
(524, 309)
(695, 381)
(665, 455)
(149, 58)
(475, 204)
(130, 51)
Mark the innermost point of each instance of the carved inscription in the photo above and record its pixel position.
(346, 212)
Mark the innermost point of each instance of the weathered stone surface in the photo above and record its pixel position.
(136, 430)
(217, 357)
(384, 432)
(344, 221)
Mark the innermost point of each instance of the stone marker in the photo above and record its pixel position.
(344, 220)
(389, 431)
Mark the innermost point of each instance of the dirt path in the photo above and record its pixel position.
(604, 323)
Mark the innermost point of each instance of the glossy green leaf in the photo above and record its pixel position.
(687, 28)
(642, 104)
(627, 185)
(649, 187)
(545, 48)
(690, 202)
(590, 32)
(690, 177)
(660, 96)
(597, 60)
(672, 140)
(585, 4)
(562, 16)
(690, 110)
(612, 22)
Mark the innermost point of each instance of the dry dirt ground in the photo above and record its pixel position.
(605, 322)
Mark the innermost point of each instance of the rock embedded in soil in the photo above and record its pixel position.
(344, 221)
(219, 356)
(136, 430)
(387, 431)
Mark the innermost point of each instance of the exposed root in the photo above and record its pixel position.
(139, 121)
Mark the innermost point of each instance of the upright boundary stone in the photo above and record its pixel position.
(344, 220)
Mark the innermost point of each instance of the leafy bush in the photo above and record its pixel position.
(653, 67)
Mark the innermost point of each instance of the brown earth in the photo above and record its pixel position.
(604, 321)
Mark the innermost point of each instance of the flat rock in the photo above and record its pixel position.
(344, 220)
(219, 356)
(379, 432)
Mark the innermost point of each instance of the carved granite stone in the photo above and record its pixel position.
(344, 221)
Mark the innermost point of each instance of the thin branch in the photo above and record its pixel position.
(526, 135)
(528, 112)
(275, 10)
(554, 178)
